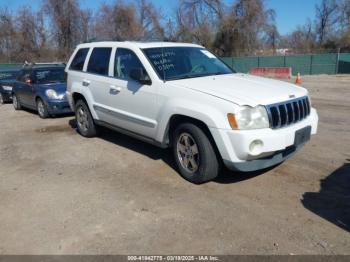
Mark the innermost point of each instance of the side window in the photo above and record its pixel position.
(24, 75)
(99, 61)
(125, 61)
(79, 59)
(20, 76)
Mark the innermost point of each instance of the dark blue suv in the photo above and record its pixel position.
(7, 79)
(41, 87)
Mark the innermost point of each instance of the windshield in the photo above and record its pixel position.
(172, 63)
(49, 75)
(10, 75)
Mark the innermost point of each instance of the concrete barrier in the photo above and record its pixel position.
(275, 72)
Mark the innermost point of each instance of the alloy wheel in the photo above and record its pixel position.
(82, 119)
(188, 153)
(41, 109)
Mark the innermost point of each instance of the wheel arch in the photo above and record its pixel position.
(177, 119)
(77, 96)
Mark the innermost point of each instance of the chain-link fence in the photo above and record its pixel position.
(304, 64)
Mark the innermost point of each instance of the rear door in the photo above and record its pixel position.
(75, 71)
(97, 79)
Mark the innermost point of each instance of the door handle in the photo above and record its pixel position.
(113, 90)
(86, 82)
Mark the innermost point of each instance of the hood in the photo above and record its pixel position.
(243, 89)
(60, 88)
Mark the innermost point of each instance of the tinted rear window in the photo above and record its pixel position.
(99, 61)
(79, 59)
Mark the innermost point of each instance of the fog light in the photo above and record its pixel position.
(256, 147)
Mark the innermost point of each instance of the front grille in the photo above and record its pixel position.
(289, 112)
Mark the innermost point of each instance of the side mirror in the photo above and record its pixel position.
(139, 75)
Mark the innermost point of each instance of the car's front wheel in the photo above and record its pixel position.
(16, 103)
(194, 154)
(1, 99)
(42, 109)
(85, 122)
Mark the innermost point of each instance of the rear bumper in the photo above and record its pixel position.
(57, 107)
(276, 145)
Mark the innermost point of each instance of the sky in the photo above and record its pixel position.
(289, 13)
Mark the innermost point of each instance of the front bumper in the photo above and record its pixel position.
(277, 145)
(7, 95)
(56, 107)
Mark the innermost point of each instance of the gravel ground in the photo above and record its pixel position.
(61, 193)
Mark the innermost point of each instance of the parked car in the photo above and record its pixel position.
(7, 78)
(41, 87)
(182, 96)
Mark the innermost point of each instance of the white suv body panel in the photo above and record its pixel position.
(147, 109)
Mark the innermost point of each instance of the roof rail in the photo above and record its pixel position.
(43, 64)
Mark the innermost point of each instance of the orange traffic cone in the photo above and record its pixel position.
(298, 80)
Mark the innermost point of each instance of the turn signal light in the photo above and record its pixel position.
(232, 120)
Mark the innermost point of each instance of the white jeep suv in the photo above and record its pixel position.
(182, 96)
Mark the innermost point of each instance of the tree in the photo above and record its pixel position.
(28, 42)
(198, 19)
(303, 39)
(117, 22)
(327, 16)
(68, 23)
(7, 36)
(150, 20)
(135, 21)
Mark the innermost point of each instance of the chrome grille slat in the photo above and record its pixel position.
(289, 112)
(287, 116)
(279, 116)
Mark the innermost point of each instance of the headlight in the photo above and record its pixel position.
(7, 88)
(50, 93)
(249, 118)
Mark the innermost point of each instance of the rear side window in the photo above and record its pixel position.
(79, 59)
(99, 61)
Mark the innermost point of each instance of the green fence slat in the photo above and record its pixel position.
(344, 63)
(303, 64)
(4, 67)
(228, 61)
(271, 61)
(245, 64)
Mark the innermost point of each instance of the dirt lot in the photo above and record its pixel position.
(63, 194)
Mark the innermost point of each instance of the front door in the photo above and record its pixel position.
(133, 104)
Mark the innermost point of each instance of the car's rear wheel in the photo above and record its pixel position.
(42, 109)
(194, 154)
(16, 103)
(85, 122)
(1, 99)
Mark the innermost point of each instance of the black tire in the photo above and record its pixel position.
(42, 109)
(2, 101)
(16, 102)
(85, 123)
(208, 166)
